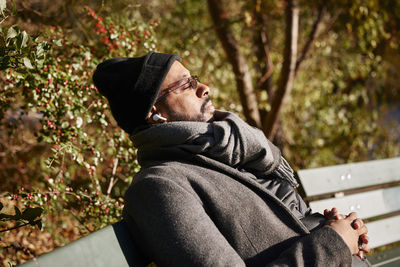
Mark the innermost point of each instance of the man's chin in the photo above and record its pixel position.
(212, 118)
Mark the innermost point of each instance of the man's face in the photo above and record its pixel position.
(182, 102)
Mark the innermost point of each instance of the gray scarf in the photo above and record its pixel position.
(228, 139)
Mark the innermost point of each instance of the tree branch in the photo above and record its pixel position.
(331, 22)
(113, 181)
(28, 13)
(244, 84)
(68, 8)
(262, 49)
(313, 35)
(287, 74)
(79, 221)
(15, 227)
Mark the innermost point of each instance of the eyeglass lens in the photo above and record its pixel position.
(192, 81)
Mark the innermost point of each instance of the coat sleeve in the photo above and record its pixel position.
(323, 247)
(174, 229)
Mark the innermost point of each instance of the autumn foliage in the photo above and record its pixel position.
(69, 160)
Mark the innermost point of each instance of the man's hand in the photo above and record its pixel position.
(353, 231)
(333, 214)
(363, 241)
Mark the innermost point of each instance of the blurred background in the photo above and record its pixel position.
(320, 78)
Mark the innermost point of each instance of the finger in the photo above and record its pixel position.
(360, 254)
(364, 239)
(364, 248)
(352, 216)
(336, 215)
(327, 213)
(357, 223)
(340, 217)
(334, 211)
(362, 230)
(333, 214)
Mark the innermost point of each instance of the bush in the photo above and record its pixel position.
(57, 136)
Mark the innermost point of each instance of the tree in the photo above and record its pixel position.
(313, 22)
(290, 64)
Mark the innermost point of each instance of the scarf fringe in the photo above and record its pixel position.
(286, 172)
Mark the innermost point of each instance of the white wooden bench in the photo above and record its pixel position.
(372, 189)
(111, 246)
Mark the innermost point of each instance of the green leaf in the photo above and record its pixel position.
(14, 7)
(27, 63)
(79, 159)
(58, 42)
(11, 33)
(39, 63)
(39, 49)
(25, 39)
(30, 214)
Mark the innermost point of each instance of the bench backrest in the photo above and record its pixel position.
(110, 246)
(371, 188)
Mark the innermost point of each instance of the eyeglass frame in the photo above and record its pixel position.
(193, 82)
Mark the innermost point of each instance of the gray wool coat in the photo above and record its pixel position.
(200, 212)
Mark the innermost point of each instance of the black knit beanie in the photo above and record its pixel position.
(131, 85)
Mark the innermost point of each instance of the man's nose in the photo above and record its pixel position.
(202, 90)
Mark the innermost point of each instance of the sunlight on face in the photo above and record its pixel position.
(191, 104)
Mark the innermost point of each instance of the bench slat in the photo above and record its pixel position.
(386, 258)
(349, 176)
(366, 204)
(384, 231)
(110, 246)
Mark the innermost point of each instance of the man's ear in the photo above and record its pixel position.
(155, 116)
(150, 115)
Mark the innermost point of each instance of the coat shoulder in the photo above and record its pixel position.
(172, 173)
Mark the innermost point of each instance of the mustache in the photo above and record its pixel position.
(203, 106)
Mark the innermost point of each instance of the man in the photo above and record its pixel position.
(212, 190)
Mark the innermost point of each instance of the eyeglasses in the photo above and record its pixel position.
(179, 87)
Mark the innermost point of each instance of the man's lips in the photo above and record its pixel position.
(209, 106)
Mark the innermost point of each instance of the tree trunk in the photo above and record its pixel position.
(287, 75)
(244, 84)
